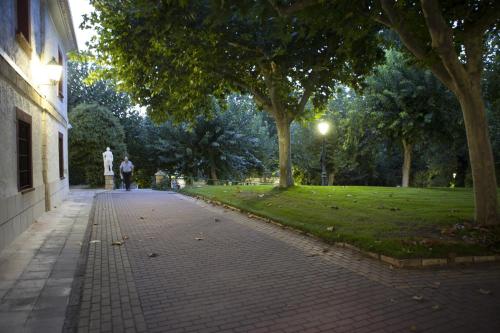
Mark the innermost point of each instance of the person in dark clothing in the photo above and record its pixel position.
(126, 171)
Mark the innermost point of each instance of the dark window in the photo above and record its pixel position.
(24, 19)
(60, 61)
(24, 154)
(61, 155)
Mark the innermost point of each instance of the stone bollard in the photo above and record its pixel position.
(109, 183)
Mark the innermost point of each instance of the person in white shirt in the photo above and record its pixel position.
(126, 171)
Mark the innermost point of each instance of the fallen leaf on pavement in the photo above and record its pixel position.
(485, 291)
(418, 298)
(141, 218)
(199, 238)
(312, 255)
(95, 241)
(436, 307)
(117, 243)
(216, 219)
(325, 250)
(152, 255)
(125, 237)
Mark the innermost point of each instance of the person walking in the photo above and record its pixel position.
(126, 171)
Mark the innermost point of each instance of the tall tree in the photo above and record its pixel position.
(173, 55)
(408, 105)
(101, 92)
(93, 129)
(104, 92)
(217, 147)
(449, 38)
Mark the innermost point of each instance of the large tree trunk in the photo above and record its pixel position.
(480, 155)
(407, 151)
(285, 151)
(213, 170)
(331, 178)
(213, 173)
(462, 166)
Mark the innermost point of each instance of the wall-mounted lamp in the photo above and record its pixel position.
(54, 70)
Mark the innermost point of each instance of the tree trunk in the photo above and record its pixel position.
(480, 155)
(331, 178)
(462, 166)
(213, 173)
(407, 151)
(285, 151)
(213, 170)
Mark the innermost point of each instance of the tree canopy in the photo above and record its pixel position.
(218, 147)
(408, 104)
(173, 56)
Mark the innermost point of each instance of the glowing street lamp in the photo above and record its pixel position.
(323, 128)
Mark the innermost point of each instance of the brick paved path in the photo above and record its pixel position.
(245, 275)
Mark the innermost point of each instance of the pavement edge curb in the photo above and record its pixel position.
(73, 309)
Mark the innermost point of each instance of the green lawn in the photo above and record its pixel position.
(401, 222)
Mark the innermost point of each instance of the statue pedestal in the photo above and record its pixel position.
(159, 177)
(109, 183)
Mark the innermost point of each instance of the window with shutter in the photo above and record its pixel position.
(60, 61)
(24, 151)
(61, 155)
(24, 24)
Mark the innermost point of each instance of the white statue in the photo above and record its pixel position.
(107, 157)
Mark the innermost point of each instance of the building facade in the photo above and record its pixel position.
(35, 37)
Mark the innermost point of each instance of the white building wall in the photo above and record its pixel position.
(20, 88)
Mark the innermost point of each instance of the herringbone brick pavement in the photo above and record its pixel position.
(214, 270)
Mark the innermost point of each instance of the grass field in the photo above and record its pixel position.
(401, 222)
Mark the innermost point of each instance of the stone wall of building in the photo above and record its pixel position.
(18, 210)
(20, 88)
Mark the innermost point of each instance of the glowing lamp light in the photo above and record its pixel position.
(54, 70)
(454, 175)
(323, 127)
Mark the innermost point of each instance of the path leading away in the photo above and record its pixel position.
(186, 266)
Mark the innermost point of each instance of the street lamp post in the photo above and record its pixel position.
(323, 128)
